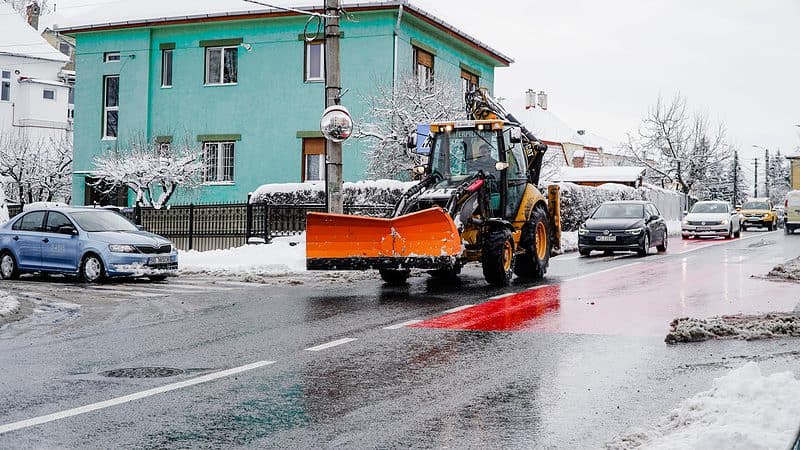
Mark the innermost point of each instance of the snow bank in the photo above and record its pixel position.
(733, 327)
(787, 271)
(8, 304)
(742, 410)
(284, 255)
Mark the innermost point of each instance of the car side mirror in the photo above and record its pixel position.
(139, 227)
(515, 135)
(685, 213)
(655, 217)
(68, 229)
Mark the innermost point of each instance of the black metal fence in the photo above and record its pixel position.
(221, 226)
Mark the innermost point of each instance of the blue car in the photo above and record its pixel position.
(93, 243)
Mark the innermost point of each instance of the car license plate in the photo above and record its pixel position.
(754, 219)
(606, 238)
(159, 260)
(703, 229)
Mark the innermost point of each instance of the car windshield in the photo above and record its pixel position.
(714, 208)
(755, 205)
(619, 211)
(102, 221)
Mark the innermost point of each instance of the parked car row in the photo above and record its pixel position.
(92, 243)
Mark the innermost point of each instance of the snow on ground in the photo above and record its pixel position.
(787, 271)
(282, 256)
(738, 326)
(674, 227)
(743, 410)
(8, 304)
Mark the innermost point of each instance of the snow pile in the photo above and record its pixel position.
(283, 255)
(733, 327)
(370, 192)
(787, 271)
(8, 304)
(743, 410)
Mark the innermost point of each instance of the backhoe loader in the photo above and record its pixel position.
(477, 202)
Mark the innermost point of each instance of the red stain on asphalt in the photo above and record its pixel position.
(640, 299)
(513, 313)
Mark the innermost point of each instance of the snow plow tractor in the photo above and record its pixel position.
(478, 202)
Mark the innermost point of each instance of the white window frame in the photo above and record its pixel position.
(220, 79)
(219, 163)
(425, 75)
(309, 77)
(5, 81)
(164, 53)
(107, 109)
(45, 91)
(111, 57)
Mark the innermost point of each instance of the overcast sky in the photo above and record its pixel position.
(603, 63)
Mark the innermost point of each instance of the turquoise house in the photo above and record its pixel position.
(246, 86)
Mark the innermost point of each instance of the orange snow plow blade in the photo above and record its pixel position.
(424, 239)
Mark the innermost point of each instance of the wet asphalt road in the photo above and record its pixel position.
(563, 374)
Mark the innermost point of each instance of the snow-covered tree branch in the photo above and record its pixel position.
(680, 147)
(39, 169)
(394, 112)
(152, 170)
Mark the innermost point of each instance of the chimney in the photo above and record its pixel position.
(32, 13)
(530, 99)
(579, 159)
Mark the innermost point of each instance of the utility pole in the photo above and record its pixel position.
(755, 184)
(735, 178)
(333, 89)
(766, 172)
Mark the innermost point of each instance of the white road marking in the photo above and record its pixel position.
(460, 308)
(498, 297)
(602, 271)
(330, 344)
(402, 325)
(129, 398)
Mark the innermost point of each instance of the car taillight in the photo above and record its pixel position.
(786, 203)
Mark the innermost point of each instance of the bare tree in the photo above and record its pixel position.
(39, 169)
(678, 146)
(394, 112)
(21, 5)
(152, 170)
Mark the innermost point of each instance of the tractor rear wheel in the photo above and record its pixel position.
(498, 257)
(535, 243)
(394, 277)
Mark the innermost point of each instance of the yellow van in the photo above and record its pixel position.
(792, 217)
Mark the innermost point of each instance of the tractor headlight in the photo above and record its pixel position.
(634, 231)
(122, 248)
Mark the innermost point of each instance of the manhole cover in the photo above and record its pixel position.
(142, 372)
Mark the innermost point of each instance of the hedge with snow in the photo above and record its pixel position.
(577, 201)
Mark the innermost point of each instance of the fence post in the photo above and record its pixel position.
(267, 217)
(191, 224)
(137, 213)
(248, 226)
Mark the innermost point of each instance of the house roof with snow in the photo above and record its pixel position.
(144, 13)
(548, 127)
(605, 174)
(17, 38)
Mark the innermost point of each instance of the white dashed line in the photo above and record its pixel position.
(402, 325)
(460, 308)
(129, 398)
(330, 344)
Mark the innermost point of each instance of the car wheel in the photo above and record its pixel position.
(730, 233)
(744, 228)
(663, 247)
(685, 237)
(645, 246)
(787, 229)
(92, 270)
(157, 277)
(738, 233)
(8, 266)
(584, 251)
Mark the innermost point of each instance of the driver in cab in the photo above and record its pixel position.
(483, 160)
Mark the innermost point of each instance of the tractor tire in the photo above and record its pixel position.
(497, 257)
(395, 277)
(533, 262)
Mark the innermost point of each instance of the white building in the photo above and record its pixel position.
(34, 96)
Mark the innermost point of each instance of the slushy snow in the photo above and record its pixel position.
(738, 326)
(743, 410)
(8, 304)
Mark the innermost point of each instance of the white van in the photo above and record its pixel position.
(792, 217)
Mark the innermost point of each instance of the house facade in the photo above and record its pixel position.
(247, 87)
(33, 94)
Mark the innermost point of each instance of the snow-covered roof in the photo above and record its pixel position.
(623, 174)
(17, 38)
(127, 13)
(547, 126)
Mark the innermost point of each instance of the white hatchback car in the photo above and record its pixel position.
(711, 218)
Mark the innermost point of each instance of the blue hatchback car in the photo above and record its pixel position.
(93, 243)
